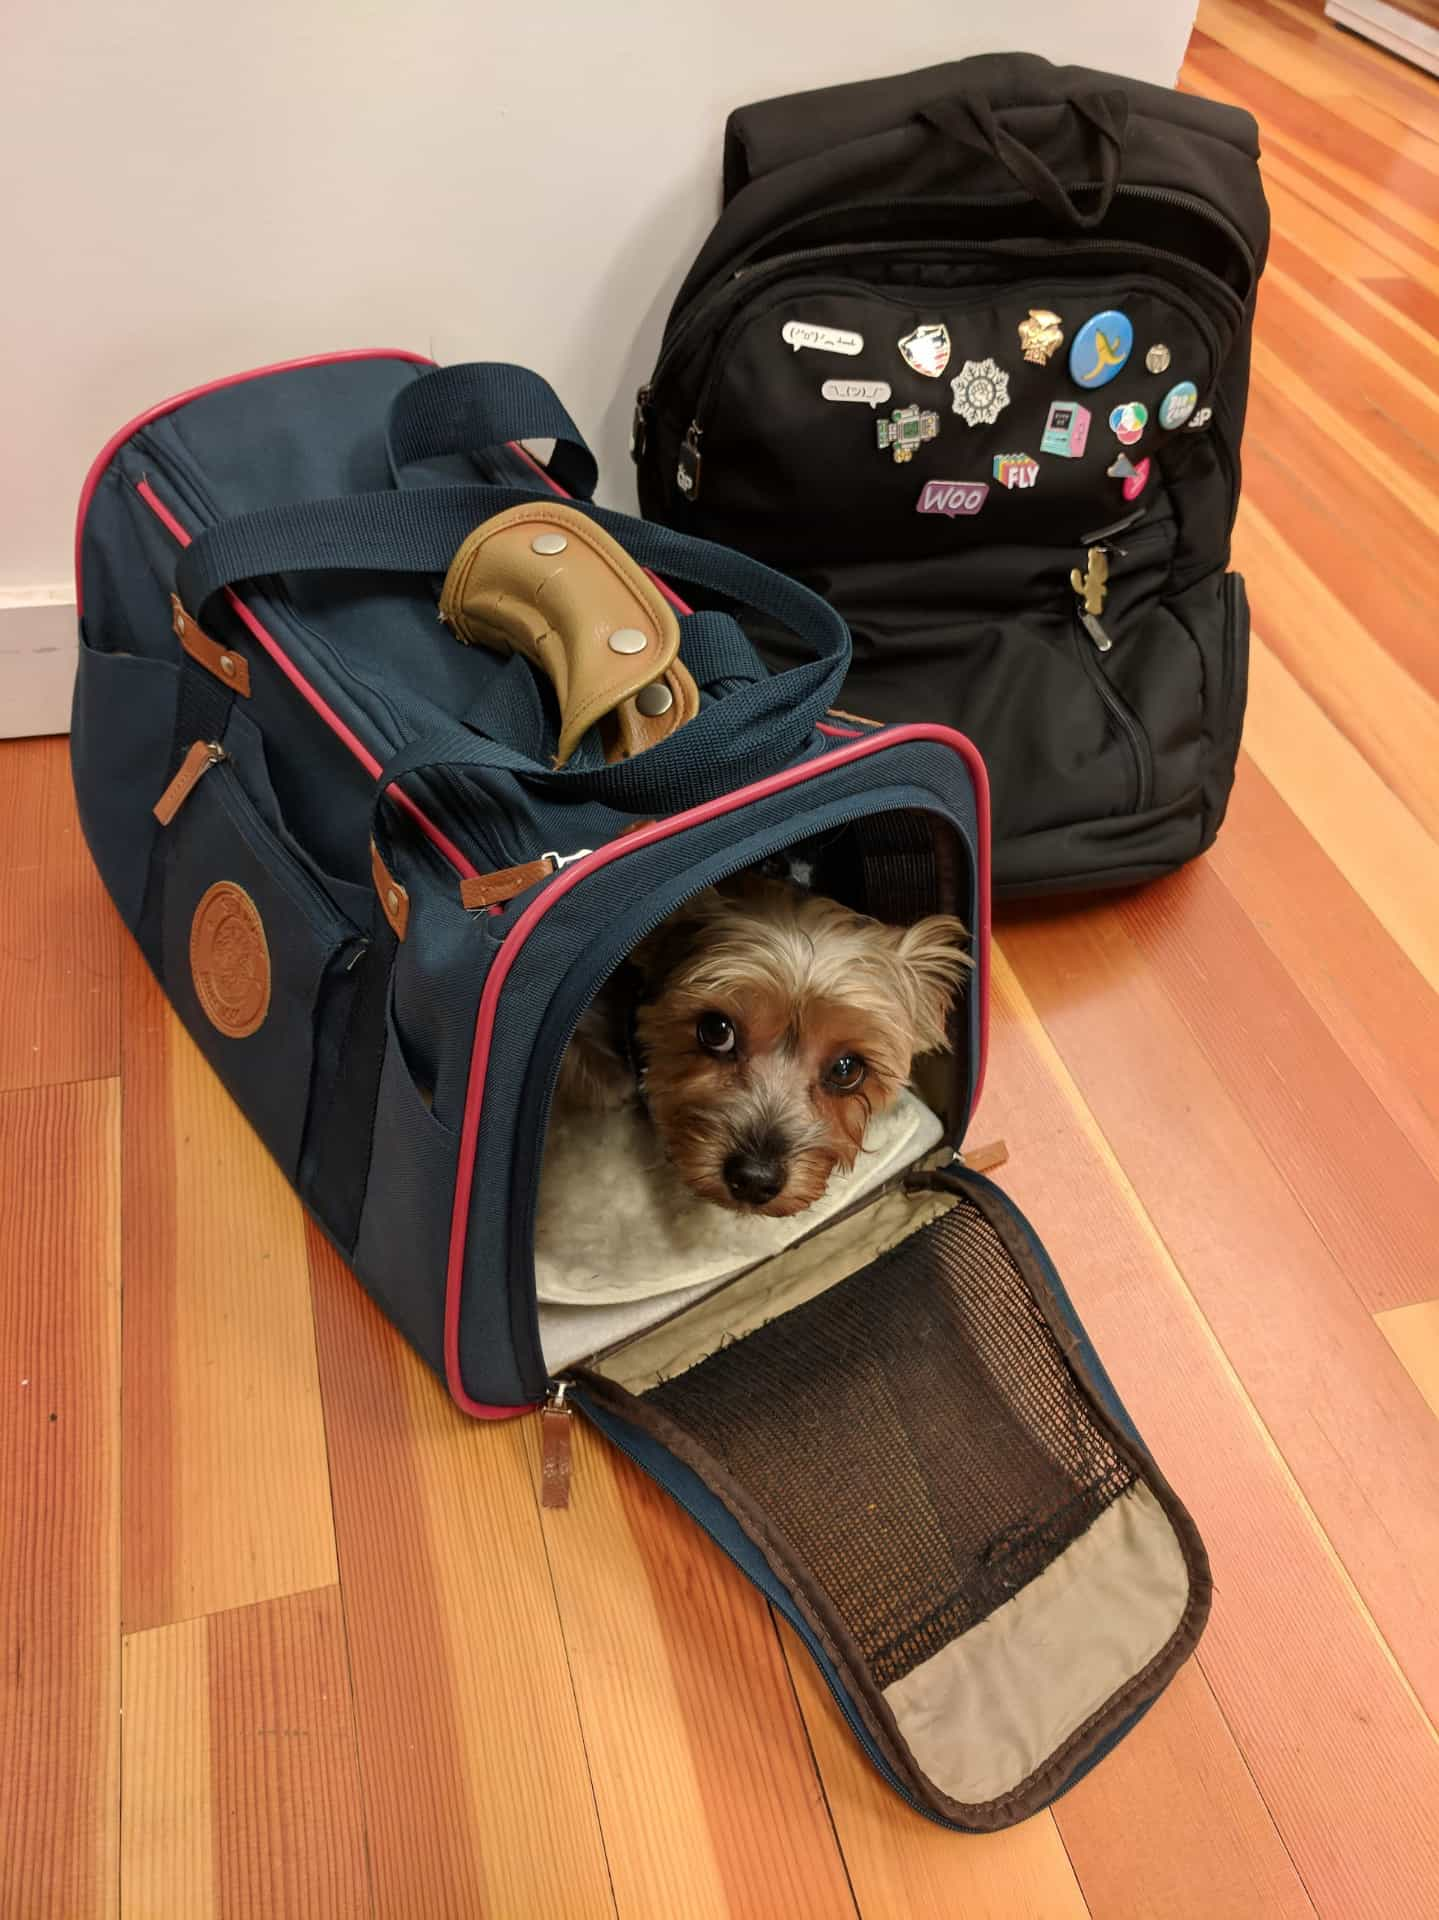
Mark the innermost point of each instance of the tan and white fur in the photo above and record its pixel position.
(770, 1024)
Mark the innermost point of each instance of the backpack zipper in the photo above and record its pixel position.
(1091, 587)
(689, 461)
(717, 290)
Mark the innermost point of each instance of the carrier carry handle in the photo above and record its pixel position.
(479, 406)
(971, 120)
(752, 729)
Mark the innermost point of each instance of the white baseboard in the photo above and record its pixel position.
(1392, 27)
(37, 660)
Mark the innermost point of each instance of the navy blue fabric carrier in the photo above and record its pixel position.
(380, 907)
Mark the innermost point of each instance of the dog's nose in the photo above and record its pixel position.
(753, 1178)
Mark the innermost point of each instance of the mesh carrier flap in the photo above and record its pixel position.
(994, 1566)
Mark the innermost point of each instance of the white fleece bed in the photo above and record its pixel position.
(621, 1242)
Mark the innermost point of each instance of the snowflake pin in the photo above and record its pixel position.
(981, 392)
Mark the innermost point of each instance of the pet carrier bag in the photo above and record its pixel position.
(380, 872)
(968, 352)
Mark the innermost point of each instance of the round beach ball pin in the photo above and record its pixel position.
(1100, 348)
(1177, 405)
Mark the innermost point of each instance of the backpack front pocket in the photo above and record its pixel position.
(255, 954)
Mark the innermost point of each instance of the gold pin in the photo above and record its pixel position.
(1040, 335)
(1092, 585)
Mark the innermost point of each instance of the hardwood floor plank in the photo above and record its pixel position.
(1312, 133)
(1333, 516)
(1369, 1195)
(1319, 63)
(60, 955)
(1366, 693)
(686, 1704)
(227, 1497)
(476, 1792)
(167, 1844)
(1321, 1376)
(241, 1791)
(1418, 304)
(1413, 1332)
(1373, 70)
(1360, 306)
(1181, 1780)
(1368, 993)
(1373, 839)
(59, 1501)
(1342, 1755)
(901, 1865)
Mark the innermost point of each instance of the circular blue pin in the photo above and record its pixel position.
(1100, 348)
(1177, 405)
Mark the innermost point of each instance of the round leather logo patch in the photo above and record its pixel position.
(230, 959)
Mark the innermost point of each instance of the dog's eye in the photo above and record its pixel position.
(846, 1073)
(715, 1033)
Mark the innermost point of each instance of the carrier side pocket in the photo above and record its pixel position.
(253, 950)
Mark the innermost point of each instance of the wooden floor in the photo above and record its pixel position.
(282, 1635)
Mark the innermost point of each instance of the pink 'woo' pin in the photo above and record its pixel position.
(951, 497)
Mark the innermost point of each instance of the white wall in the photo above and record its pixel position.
(193, 189)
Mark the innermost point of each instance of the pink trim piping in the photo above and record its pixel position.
(617, 849)
(117, 440)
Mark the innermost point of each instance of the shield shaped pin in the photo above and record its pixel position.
(927, 349)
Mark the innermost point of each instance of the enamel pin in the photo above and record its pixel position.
(1157, 358)
(1177, 405)
(1066, 430)
(1016, 469)
(1040, 335)
(905, 430)
(1129, 421)
(1137, 481)
(1100, 348)
(951, 497)
(1123, 468)
(927, 350)
(804, 333)
(981, 392)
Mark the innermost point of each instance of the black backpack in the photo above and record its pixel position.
(968, 352)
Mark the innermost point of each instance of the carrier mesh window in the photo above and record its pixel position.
(914, 1433)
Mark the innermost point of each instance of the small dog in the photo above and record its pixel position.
(762, 1026)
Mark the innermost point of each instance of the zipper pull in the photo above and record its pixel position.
(556, 1430)
(1093, 584)
(687, 473)
(559, 861)
(639, 425)
(201, 757)
(1096, 632)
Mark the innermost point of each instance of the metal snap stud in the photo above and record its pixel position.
(392, 900)
(628, 640)
(227, 664)
(654, 700)
(548, 543)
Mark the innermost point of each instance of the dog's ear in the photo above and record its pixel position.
(931, 961)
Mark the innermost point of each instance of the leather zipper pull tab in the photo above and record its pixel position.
(199, 760)
(556, 1434)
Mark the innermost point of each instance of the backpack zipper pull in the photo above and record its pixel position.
(639, 425)
(199, 760)
(687, 473)
(556, 1433)
(1092, 587)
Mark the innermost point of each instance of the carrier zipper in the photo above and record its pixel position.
(203, 755)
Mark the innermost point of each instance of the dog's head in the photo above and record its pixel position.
(772, 1024)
